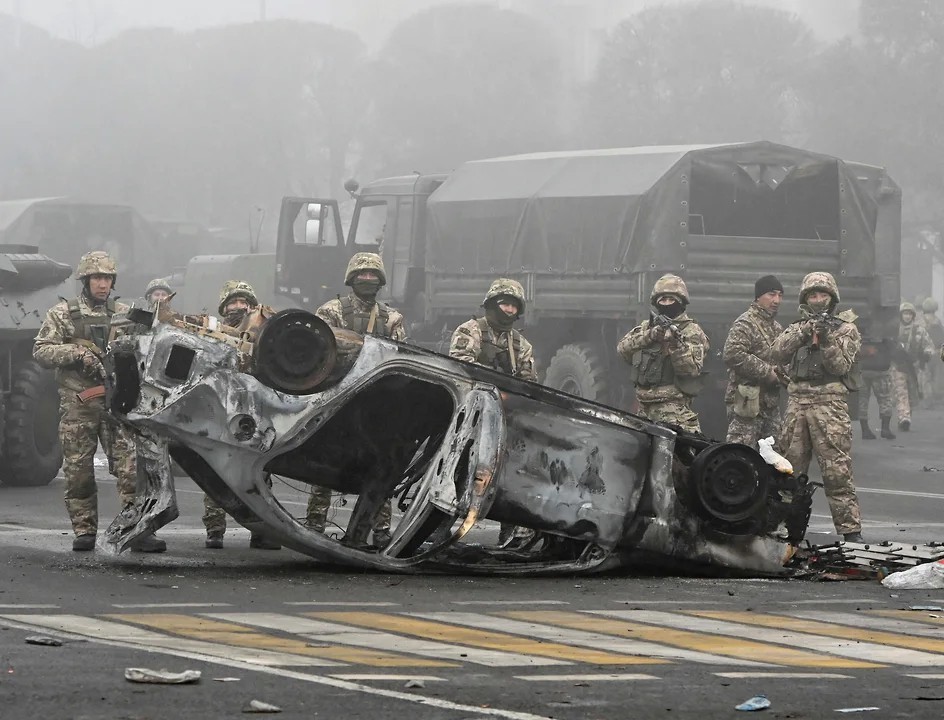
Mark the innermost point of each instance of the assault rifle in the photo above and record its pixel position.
(822, 322)
(666, 323)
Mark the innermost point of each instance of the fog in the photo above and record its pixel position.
(212, 111)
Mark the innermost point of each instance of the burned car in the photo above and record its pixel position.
(451, 443)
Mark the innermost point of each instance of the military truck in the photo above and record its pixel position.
(588, 232)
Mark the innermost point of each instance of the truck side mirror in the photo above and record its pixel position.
(352, 186)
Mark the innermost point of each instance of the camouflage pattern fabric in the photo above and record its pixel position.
(214, 517)
(468, 340)
(509, 287)
(840, 346)
(97, 262)
(878, 383)
(362, 261)
(332, 313)
(747, 355)
(81, 427)
(917, 345)
(676, 412)
(904, 391)
(319, 502)
(670, 284)
(235, 289)
(821, 426)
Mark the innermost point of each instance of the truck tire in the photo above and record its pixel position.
(32, 454)
(579, 370)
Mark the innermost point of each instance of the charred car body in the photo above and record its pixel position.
(451, 443)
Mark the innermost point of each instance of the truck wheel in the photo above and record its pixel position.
(31, 433)
(578, 370)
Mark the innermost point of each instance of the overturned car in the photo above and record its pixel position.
(451, 443)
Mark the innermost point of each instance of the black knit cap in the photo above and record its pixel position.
(766, 284)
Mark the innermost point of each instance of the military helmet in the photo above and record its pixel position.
(906, 307)
(157, 284)
(670, 284)
(508, 288)
(929, 305)
(823, 281)
(365, 261)
(97, 262)
(234, 289)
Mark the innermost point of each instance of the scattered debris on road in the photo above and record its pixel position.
(257, 706)
(758, 702)
(161, 677)
(867, 561)
(43, 640)
(414, 684)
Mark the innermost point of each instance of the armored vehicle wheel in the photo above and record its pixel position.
(32, 454)
(579, 370)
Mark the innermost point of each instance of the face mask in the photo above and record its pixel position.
(821, 306)
(235, 317)
(670, 311)
(498, 318)
(366, 289)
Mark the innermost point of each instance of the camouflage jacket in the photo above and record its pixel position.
(747, 354)
(932, 323)
(55, 345)
(915, 341)
(687, 355)
(469, 339)
(332, 313)
(840, 347)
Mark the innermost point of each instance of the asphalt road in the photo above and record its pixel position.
(324, 642)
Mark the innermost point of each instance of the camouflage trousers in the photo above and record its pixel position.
(821, 426)
(316, 514)
(748, 431)
(878, 383)
(81, 427)
(675, 412)
(214, 517)
(905, 392)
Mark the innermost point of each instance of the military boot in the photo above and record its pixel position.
(853, 537)
(214, 541)
(867, 433)
(260, 541)
(887, 429)
(83, 543)
(904, 424)
(149, 544)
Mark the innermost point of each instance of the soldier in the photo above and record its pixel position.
(932, 375)
(820, 350)
(158, 290)
(237, 301)
(666, 354)
(914, 349)
(486, 341)
(754, 381)
(361, 312)
(72, 340)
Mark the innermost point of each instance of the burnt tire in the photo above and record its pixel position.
(32, 454)
(579, 370)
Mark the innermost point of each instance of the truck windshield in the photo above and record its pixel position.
(371, 223)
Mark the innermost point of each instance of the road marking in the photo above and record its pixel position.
(510, 602)
(831, 601)
(127, 635)
(667, 602)
(865, 644)
(860, 658)
(28, 606)
(926, 676)
(915, 616)
(904, 493)
(341, 604)
(239, 636)
(407, 625)
(400, 678)
(586, 678)
(792, 675)
(908, 627)
(325, 632)
(146, 606)
(179, 651)
(698, 647)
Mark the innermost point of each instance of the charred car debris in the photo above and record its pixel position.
(450, 443)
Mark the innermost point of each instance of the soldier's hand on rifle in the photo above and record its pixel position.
(658, 334)
(91, 364)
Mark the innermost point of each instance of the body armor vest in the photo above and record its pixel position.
(357, 320)
(493, 356)
(807, 366)
(650, 367)
(94, 328)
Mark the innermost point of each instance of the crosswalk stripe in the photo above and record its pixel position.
(413, 625)
(889, 624)
(910, 616)
(325, 632)
(849, 657)
(860, 635)
(575, 629)
(724, 650)
(98, 629)
(231, 634)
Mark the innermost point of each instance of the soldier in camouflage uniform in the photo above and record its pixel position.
(666, 363)
(879, 383)
(486, 341)
(933, 377)
(752, 397)
(914, 350)
(821, 355)
(158, 290)
(72, 340)
(361, 312)
(237, 303)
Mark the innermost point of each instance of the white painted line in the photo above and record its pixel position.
(27, 606)
(926, 676)
(861, 620)
(510, 602)
(400, 678)
(904, 493)
(582, 638)
(667, 602)
(145, 606)
(341, 604)
(865, 651)
(324, 680)
(339, 634)
(586, 678)
(793, 675)
(95, 629)
(831, 601)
